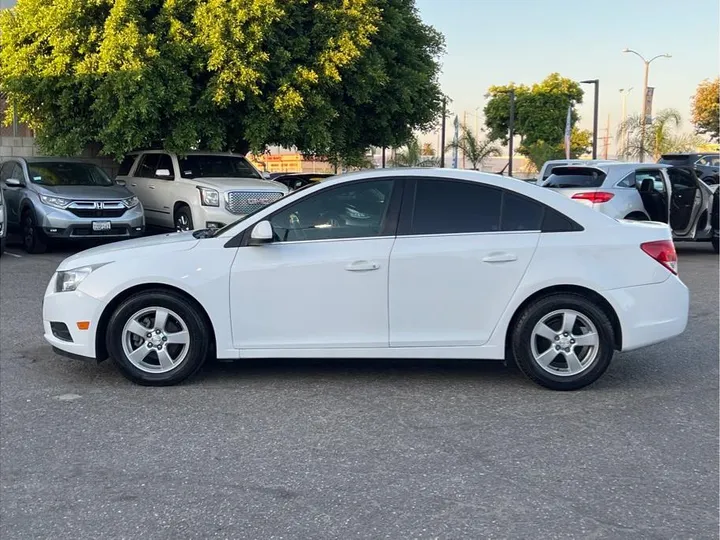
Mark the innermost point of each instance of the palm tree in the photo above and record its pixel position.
(661, 136)
(474, 150)
(412, 156)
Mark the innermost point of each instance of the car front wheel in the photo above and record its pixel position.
(563, 342)
(157, 338)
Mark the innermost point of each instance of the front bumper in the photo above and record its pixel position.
(61, 314)
(208, 217)
(651, 314)
(58, 223)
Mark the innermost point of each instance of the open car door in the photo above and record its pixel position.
(690, 203)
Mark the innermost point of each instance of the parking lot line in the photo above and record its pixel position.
(13, 254)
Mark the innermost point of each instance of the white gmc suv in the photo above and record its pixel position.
(199, 190)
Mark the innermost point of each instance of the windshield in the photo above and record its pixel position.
(575, 178)
(209, 166)
(48, 173)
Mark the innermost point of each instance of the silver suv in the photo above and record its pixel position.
(203, 190)
(49, 198)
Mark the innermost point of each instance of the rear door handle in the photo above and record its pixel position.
(500, 258)
(362, 266)
(151, 187)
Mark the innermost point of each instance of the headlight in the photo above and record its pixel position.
(209, 197)
(57, 202)
(132, 201)
(69, 280)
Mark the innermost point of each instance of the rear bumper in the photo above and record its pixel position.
(651, 314)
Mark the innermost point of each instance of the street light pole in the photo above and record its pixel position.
(596, 107)
(442, 135)
(511, 129)
(644, 96)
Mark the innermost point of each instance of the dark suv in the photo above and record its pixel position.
(706, 164)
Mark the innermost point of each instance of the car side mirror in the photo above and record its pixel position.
(163, 173)
(14, 182)
(266, 176)
(262, 233)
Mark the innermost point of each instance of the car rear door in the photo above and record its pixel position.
(461, 251)
(687, 202)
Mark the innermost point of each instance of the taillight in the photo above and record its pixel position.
(594, 196)
(663, 251)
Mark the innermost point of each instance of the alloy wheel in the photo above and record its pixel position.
(155, 340)
(564, 343)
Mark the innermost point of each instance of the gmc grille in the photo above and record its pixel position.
(245, 202)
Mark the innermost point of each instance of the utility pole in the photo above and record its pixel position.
(442, 134)
(464, 127)
(606, 139)
(643, 121)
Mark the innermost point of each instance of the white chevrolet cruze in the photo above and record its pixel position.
(380, 264)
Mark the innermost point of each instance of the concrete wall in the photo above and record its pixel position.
(25, 147)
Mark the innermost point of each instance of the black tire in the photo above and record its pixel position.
(637, 216)
(716, 244)
(534, 313)
(2, 246)
(34, 240)
(197, 328)
(183, 219)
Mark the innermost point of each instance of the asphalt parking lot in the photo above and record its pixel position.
(357, 449)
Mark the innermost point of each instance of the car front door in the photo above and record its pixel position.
(323, 281)
(687, 201)
(461, 251)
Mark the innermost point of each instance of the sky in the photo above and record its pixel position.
(492, 42)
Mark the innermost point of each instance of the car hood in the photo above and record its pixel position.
(135, 248)
(241, 184)
(87, 193)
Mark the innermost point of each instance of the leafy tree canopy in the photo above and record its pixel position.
(539, 152)
(706, 109)
(326, 76)
(540, 110)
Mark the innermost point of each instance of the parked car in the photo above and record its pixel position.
(297, 180)
(706, 165)
(3, 223)
(644, 191)
(548, 167)
(51, 198)
(412, 263)
(200, 190)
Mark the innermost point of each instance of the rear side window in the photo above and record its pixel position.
(554, 222)
(566, 177)
(520, 213)
(126, 165)
(450, 207)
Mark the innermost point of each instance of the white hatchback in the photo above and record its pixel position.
(380, 264)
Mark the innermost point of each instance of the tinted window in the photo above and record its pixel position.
(354, 210)
(126, 165)
(575, 178)
(148, 166)
(17, 173)
(447, 207)
(520, 213)
(554, 221)
(210, 166)
(67, 174)
(628, 181)
(5, 171)
(681, 179)
(165, 162)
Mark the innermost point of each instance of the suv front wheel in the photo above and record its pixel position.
(33, 238)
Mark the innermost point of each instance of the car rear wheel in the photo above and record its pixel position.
(563, 342)
(157, 338)
(33, 238)
(183, 219)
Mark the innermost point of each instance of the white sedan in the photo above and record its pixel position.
(380, 264)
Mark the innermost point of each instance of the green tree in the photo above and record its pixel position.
(661, 136)
(706, 109)
(411, 156)
(474, 150)
(540, 112)
(539, 152)
(234, 74)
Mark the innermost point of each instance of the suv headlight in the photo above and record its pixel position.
(57, 202)
(131, 202)
(69, 280)
(209, 197)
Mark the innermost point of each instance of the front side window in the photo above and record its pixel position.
(216, 166)
(148, 166)
(356, 210)
(48, 173)
(450, 207)
(5, 171)
(709, 161)
(164, 163)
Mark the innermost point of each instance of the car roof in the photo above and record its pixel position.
(188, 153)
(619, 166)
(50, 159)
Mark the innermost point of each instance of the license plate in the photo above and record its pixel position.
(100, 225)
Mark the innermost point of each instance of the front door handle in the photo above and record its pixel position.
(362, 266)
(133, 185)
(151, 187)
(500, 258)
